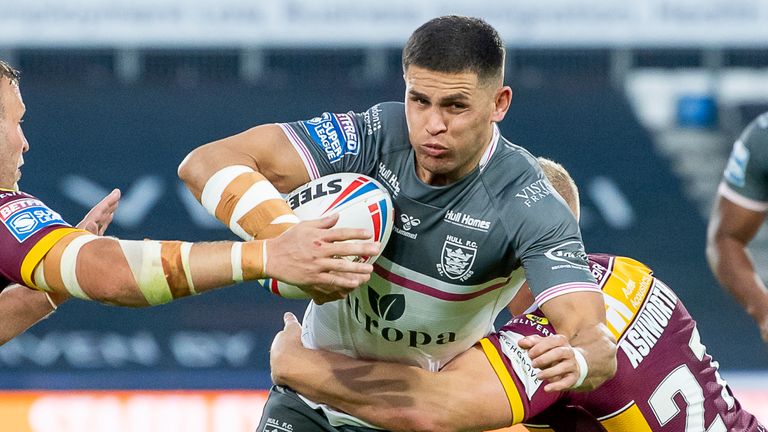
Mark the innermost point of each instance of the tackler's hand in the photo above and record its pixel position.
(98, 219)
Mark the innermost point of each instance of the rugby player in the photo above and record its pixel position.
(21, 307)
(665, 379)
(40, 250)
(475, 217)
(738, 213)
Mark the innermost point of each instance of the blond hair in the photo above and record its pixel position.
(562, 182)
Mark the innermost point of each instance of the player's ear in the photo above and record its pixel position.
(501, 101)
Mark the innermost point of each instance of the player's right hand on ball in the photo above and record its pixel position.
(309, 255)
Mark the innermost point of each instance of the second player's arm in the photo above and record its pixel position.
(579, 319)
(265, 149)
(731, 228)
(465, 395)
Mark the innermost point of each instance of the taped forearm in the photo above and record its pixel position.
(246, 202)
(148, 272)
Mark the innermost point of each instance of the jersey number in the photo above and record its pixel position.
(681, 381)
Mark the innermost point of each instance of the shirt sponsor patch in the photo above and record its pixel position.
(568, 255)
(24, 218)
(336, 134)
(520, 362)
(736, 170)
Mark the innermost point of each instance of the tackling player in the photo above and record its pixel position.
(40, 250)
(480, 216)
(738, 213)
(22, 307)
(665, 381)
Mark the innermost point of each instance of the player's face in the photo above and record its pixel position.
(12, 141)
(450, 121)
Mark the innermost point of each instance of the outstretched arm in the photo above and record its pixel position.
(140, 273)
(731, 228)
(465, 395)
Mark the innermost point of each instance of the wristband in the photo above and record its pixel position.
(583, 368)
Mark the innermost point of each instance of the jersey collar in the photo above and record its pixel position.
(491, 148)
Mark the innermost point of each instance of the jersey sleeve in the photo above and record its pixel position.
(546, 237)
(28, 230)
(514, 368)
(745, 179)
(345, 142)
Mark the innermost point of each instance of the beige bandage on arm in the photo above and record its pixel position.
(160, 269)
(249, 260)
(247, 203)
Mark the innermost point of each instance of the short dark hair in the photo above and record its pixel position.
(455, 44)
(8, 72)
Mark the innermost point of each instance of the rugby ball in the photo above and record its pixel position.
(360, 201)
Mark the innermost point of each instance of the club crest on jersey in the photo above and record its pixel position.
(456, 258)
(336, 134)
(26, 217)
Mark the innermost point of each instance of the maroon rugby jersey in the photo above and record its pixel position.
(28, 230)
(665, 379)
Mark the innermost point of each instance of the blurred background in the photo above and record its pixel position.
(641, 101)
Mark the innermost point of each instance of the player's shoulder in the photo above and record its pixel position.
(510, 165)
(385, 117)
(755, 135)
(24, 215)
(604, 266)
(385, 124)
(7, 196)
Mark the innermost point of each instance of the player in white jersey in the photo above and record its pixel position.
(475, 216)
(665, 382)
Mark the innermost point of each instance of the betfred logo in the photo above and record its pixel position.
(12, 207)
(24, 218)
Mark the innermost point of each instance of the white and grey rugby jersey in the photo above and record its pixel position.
(457, 254)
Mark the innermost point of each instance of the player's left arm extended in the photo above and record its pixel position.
(465, 395)
(579, 318)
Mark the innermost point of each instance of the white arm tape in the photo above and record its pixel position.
(186, 249)
(38, 276)
(144, 259)
(237, 261)
(257, 193)
(583, 368)
(69, 265)
(215, 186)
